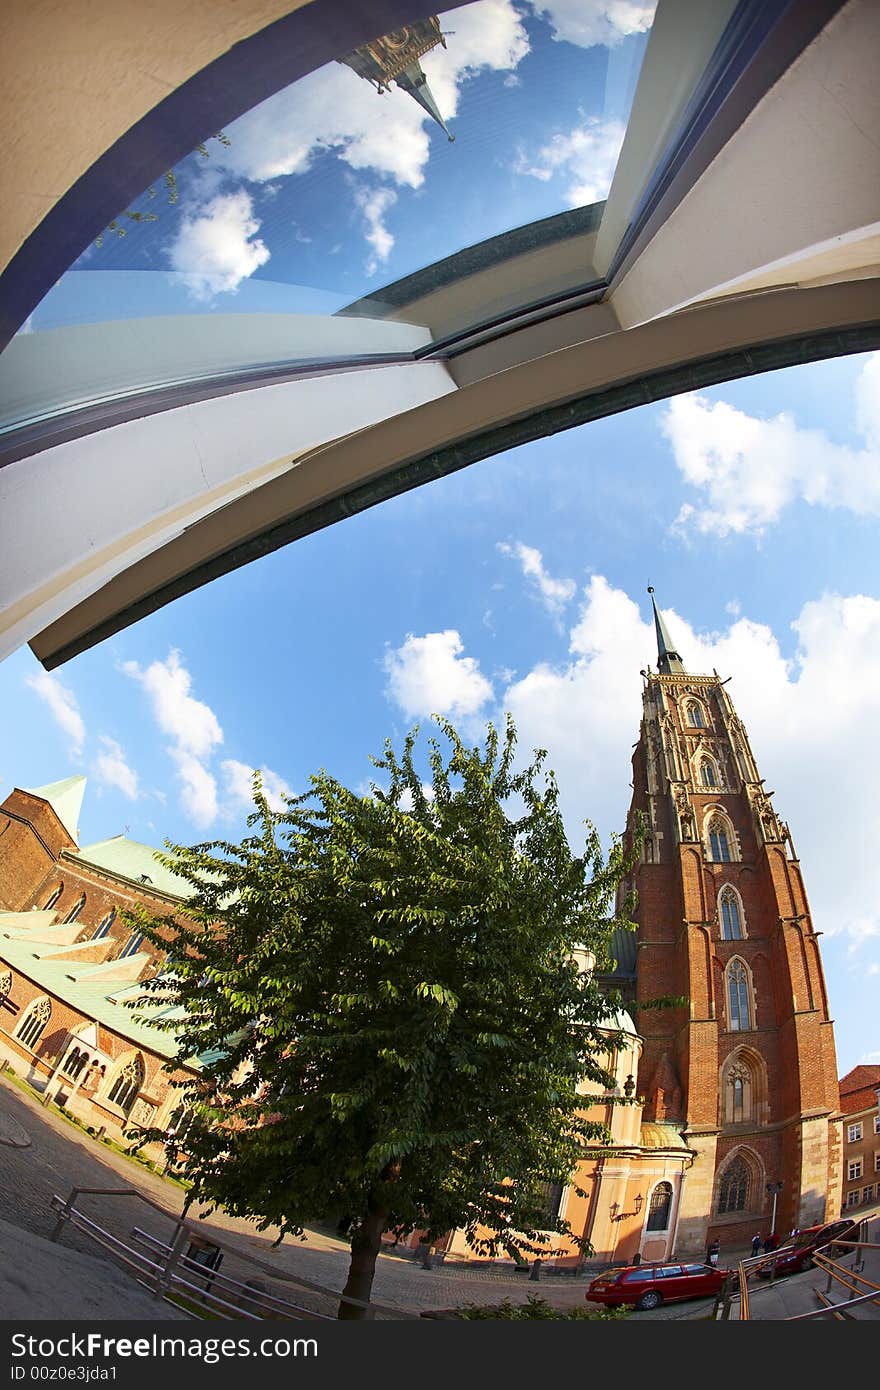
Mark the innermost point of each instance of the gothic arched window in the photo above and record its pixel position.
(731, 918)
(132, 945)
(660, 1207)
(53, 897)
(734, 1187)
(124, 1089)
(33, 1025)
(76, 909)
(695, 716)
(739, 997)
(105, 924)
(707, 773)
(719, 841)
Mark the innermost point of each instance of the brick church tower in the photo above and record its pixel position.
(747, 1070)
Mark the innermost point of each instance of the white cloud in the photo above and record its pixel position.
(554, 593)
(62, 706)
(217, 245)
(748, 470)
(334, 109)
(428, 675)
(374, 203)
(585, 157)
(587, 712)
(591, 22)
(191, 725)
(112, 769)
(239, 785)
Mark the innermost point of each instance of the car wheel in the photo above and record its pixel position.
(649, 1300)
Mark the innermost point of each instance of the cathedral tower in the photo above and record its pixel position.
(746, 1069)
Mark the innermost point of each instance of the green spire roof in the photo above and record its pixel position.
(66, 799)
(669, 663)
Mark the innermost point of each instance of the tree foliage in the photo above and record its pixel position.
(386, 995)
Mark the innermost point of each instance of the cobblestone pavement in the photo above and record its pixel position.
(61, 1157)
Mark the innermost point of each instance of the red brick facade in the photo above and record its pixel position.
(747, 1064)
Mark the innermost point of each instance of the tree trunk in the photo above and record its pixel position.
(365, 1244)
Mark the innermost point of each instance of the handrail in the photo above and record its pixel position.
(164, 1274)
(850, 1279)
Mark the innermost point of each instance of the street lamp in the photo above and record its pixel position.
(774, 1189)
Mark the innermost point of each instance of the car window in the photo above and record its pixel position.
(695, 1269)
(637, 1276)
(669, 1272)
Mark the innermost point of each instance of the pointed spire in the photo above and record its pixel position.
(413, 81)
(669, 663)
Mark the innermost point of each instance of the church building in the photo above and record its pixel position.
(745, 1069)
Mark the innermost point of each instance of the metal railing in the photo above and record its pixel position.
(169, 1269)
(738, 1285)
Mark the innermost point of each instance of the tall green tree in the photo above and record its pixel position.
(391, 989)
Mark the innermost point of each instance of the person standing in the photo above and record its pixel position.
(756, 1245)
(712, 1253)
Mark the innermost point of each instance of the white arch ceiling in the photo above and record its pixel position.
(243, 436)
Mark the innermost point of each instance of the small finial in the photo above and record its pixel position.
(650, 588)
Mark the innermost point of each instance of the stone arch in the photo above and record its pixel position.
(743, 1089)
(739, 1183)
(731, 914)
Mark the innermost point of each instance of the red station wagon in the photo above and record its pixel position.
(793, 1259)
(649, 1285)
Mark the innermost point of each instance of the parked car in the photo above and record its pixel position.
(794, 1258)
(648, 1285)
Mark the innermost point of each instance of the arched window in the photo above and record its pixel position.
(739, 997)
(76, 909)
(731, 918)
(552, 1202)
(719, 841)
(104, 925)
(743, 1091)
(132, 945)
(737, 1099)
(734, 1189)
(695, 716)
(53, 897)
(707, 773)
(660, 1207)
(124, 1090)
(33, 1025)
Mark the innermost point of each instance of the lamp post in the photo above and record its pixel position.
(774, 1189)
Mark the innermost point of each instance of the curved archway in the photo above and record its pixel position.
(738, 1184)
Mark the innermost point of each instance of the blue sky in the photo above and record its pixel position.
(519, 583)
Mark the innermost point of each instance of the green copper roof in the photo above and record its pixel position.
(135, 861)
(669, 663)
(66, 799)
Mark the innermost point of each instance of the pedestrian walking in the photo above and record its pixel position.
(756, 1245)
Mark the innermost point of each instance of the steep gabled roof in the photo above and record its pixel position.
(66, 799)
